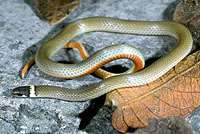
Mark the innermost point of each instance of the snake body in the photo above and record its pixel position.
(147, 75)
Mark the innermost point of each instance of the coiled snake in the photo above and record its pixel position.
(147, 75)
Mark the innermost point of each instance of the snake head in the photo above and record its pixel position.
(21, 91)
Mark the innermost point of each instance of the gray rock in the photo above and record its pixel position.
(22, 32)
(171, 125)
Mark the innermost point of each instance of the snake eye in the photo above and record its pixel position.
(21, 91)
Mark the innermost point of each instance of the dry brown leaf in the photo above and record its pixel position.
(188, 15)
(177, 93)
(54, 11)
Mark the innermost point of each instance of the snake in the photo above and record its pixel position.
(105, 24)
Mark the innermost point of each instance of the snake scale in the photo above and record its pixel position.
(103, 24)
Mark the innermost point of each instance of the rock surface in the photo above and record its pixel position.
(22, 32)
(171, 125)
